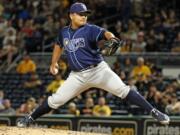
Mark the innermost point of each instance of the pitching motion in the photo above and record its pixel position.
(88, 68)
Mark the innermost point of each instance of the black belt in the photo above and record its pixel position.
(89, 67)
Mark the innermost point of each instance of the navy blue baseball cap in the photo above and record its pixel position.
(79, 8)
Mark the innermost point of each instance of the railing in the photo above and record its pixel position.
(162, 59)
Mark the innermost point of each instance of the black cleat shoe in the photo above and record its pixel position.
(159, 116)
(25, 122)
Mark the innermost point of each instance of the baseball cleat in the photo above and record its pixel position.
(25, 122)
(159, 116)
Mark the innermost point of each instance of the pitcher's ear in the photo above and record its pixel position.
(70, 16)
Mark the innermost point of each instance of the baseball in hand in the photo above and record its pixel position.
(55, 71)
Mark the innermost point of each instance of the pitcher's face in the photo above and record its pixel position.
(78, 19)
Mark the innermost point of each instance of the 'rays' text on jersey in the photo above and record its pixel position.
(73, 44)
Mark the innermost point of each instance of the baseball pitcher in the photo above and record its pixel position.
(88, 68)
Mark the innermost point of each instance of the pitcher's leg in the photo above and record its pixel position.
(136, 98)
(112, 83)
(71, 88)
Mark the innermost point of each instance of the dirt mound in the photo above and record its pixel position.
(39, 131)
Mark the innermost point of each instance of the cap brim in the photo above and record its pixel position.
(87, 11)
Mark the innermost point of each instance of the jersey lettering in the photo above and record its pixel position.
(73, 44)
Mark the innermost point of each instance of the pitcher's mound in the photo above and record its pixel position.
(39, 131)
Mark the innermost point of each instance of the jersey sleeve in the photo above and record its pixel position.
(59, 39)
(96, 33)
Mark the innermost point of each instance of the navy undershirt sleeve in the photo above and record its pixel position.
(59, 39)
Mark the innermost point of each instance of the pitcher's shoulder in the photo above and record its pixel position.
(88, 25)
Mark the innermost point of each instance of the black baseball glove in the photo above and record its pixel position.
(112, 45)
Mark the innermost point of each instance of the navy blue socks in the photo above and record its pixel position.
(42, 109)
(135, 98)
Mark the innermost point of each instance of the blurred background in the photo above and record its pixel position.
(149, 61)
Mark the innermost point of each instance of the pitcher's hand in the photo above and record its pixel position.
(54, 69)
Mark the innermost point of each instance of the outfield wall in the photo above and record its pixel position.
(115, 125)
